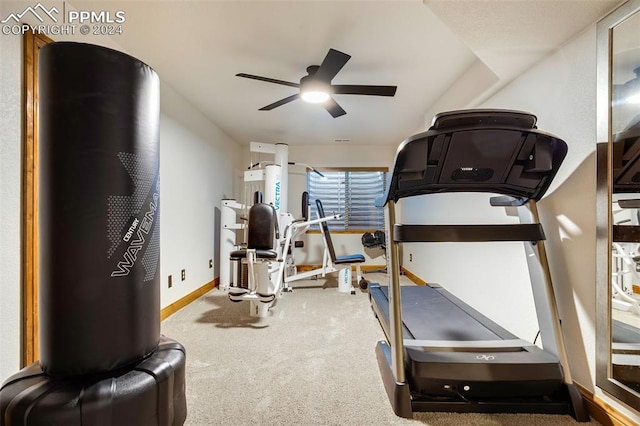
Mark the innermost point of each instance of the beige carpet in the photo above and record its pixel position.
(311, 362)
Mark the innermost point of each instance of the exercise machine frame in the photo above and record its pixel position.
(330, 262)
(421, 167)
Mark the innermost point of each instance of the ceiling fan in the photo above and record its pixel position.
(316, 86)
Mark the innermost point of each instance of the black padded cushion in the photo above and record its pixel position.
(352, 258)
(260, 254)
(262, 227)
(150, 392)
(305, 206)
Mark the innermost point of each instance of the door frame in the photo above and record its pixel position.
(30, 335)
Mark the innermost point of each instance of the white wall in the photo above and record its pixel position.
(198, 163)
(561, 91)
(10, 202)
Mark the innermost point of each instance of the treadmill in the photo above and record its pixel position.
(440, 353)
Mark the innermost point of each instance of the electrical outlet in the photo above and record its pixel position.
(170, 281)
(410, 257)
(210, 263)
(183, 274)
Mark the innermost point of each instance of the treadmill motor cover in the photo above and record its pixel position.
(430, 313)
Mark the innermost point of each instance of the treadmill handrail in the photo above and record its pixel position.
(469, 345)
(467, 233)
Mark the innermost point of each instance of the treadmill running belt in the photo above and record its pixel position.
(428, 315)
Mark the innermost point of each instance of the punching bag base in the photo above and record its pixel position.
(151, 392)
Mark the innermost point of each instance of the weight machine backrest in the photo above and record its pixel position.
(325, 231)
(263, 225)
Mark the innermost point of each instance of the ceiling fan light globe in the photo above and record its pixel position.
(314, 96)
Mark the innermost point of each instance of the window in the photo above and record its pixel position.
(351, 193)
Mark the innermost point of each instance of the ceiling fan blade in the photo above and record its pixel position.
(333, 108)
(345, 89)
(331, 65)
(280, 102)
(268, 80)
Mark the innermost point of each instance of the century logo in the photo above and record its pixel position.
(138, 243)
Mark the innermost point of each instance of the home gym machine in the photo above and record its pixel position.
(442, 355)
(250, 273)
(260, 271)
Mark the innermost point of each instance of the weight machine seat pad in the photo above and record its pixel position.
(260, 254)
(352, 258)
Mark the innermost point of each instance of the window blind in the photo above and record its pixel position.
(351, 194)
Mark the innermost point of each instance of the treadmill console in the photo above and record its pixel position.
(493, 151)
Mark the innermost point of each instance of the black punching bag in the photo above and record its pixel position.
(99, 209)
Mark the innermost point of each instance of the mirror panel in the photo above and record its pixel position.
(618, 221)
